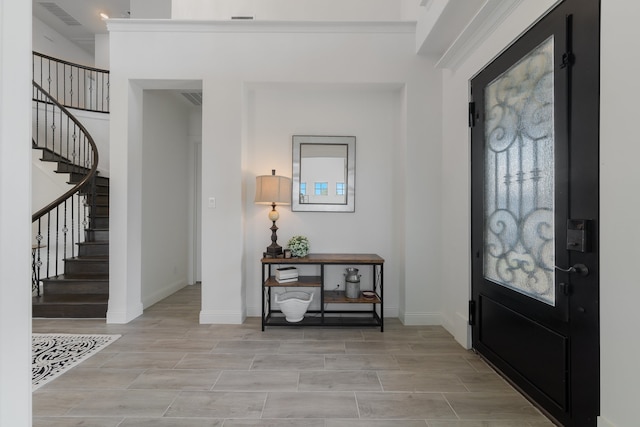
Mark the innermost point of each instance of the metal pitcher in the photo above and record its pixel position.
(352, 283)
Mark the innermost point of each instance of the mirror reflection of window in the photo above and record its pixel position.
(303, 197)
(327, 165)
(321, 189)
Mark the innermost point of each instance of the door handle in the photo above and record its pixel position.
(580, 269)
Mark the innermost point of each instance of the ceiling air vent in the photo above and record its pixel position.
(60, 13)
(194, 97)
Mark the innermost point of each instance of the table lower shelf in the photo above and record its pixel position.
(331, 318)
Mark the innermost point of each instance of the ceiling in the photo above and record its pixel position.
(79, 20)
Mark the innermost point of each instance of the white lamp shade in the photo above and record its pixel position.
(273, 189)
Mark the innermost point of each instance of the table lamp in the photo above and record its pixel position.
(271, 190)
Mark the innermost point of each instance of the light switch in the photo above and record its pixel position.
(212, 202)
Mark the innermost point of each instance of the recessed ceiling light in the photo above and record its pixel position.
(104, 15)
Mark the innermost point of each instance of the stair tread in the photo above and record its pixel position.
(71, 299)
(95, 242)
(78, 277)
(89, 258)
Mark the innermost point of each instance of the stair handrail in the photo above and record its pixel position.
(76, 96)
(79, 155)
(92, 171)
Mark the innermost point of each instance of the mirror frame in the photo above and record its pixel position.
(350, 142)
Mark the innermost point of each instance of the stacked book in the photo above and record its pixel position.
(286, 274)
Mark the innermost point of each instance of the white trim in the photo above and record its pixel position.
(221, 317)
(177, 25)
(603, 422)
(163, 293)
(488, 18)
(421, 319)
(122, 317)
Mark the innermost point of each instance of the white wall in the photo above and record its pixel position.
(370, 112)
(619, 207)
(620, 200)
(97, 124)
(456, 208)
(292, 10)
(165, 190)
(15, 213)
(101, 51)
(48, 41)
(150, 9)
(286, 60)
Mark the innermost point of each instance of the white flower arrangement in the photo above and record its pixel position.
(299, 246)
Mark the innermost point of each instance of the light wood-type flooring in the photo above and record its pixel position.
(168, 370)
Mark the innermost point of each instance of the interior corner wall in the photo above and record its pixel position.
(371, 113)
(619, 207)
(456, 160)
(101, 51)
(48, 41)
(125, 212)
(150, 9)
(165, 189)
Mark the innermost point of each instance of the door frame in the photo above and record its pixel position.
(583, 128)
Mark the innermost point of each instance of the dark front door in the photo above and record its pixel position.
(534, 308)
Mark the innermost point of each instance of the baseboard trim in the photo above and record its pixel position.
(163, 293)
(221, 317)
(122, 317)
(603, 422)
(421, 319)
(458, 326)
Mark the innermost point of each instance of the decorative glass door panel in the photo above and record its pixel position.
(519, 247)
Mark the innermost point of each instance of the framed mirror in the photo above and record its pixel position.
(324, 174)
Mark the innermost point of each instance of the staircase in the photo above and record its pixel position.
(70, 276)
(82, 290)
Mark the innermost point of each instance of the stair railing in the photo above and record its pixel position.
(73, 85)
(61, 224)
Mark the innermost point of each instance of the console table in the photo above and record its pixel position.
(365, 312)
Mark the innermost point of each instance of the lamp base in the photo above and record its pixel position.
(273, 251)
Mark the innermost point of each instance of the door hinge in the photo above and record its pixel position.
(472, 313)
(472, 114)
(567, 59)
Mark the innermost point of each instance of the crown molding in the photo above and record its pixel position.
(253, 26)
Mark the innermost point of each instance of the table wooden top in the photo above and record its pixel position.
(328, 259)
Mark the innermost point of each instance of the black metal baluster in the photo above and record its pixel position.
(48, 243)
(64, 232)
(108, 92)
(57, 237)
(73, 240)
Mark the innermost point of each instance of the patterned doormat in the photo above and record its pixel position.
(54, 354)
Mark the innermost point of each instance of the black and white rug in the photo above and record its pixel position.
(53, 354)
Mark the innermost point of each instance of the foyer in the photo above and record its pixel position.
(169, 370)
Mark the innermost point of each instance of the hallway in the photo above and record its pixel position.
(168, 370)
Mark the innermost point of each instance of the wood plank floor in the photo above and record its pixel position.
(168, 370)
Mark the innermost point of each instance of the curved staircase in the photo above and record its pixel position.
(82, 290)
(70, 275)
